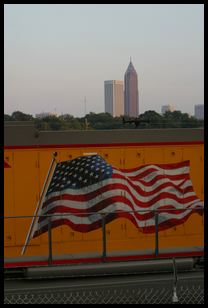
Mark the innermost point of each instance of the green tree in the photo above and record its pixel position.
(99, 121)
(53, 122)
(103, 121)
(178, 119)
(20, 116)
(151, 119)
(7, 117)
(70, 122)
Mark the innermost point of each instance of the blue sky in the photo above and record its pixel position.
(57, 54)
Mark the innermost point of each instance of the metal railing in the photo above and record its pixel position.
(175, 291)
(103, 216)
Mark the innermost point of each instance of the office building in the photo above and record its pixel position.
(167, 108)
(131, 95)
(114, 97)
(199, 112)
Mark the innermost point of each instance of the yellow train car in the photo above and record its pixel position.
(144, 199)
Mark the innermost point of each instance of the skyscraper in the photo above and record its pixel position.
(114, 100)
(199, 111)
(131, 95)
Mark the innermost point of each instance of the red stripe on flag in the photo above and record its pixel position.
(6, 165)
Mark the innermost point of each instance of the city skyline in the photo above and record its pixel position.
(56, 55)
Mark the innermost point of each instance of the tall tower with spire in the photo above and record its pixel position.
(131, 94)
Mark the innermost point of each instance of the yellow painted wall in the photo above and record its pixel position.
(23, 185)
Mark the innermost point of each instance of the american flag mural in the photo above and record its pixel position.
(87, 186)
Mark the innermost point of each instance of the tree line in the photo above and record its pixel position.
(102, 121)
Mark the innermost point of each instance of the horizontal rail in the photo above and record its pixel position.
(102, 213)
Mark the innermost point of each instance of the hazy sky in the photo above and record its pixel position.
(56, 54)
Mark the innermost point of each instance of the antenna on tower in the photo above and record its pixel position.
(130, 58)
(85, 106)
(86, 124)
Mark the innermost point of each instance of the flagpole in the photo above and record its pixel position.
(43, 192)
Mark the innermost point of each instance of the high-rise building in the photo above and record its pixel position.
(131, 95)
(199, 112)
(114, 97)
(167, 108)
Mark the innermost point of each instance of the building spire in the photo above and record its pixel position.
(130, 58)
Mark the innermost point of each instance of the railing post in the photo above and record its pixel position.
(156, 234)
(175, 296)
(49, 242)
(104, 237)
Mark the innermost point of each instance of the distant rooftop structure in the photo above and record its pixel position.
(167, 108)
(44, 115)
(199, 111)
